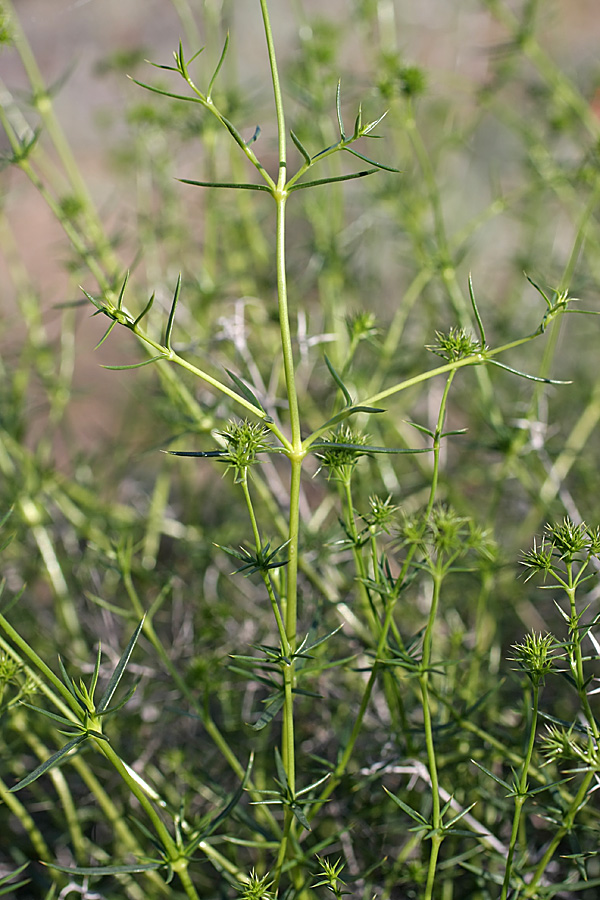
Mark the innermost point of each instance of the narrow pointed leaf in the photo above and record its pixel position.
(369, 128)
(145, 310)
(299, 814)
(119, 670)
(322, 640)
(49, 763)
(422, 428)
(281, 773)
(50, 715)
(495, 778)
(366, 449)
(307, 184)
(139, 365)
(98, 871)
(66, 677)
(476, 313)
(218, 68)
(171, 319)
(338, 109)
(500, 365)
(111, 709)
(106, 333)
(122, 291)
(300, 148)
(99, 306)
(358, 123)
(372, 162)
(245, 390)
(347, 412)
(96, 672)
(539, 290)
(415, 816)
(338, 381)
(163, 93)
(460, 815)
(269, 713)
(14, 885)
(240, 185)
(201, 453)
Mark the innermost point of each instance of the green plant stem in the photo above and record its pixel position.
(264, 574)
(475, 360)
(359, 561)
(438, 570)
(296, 454)
(575, 652)
(568, 820)
(522, 790)
(179, 862)
(436, 819)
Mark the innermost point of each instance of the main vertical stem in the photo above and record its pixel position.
(296, 455)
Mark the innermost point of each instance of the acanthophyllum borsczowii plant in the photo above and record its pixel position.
(283, 829)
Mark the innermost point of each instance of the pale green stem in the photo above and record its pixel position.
(578, 801)
(476, 360)
(264, 574)
(173, 854)
(521, 794)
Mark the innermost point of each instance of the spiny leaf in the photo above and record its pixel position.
(245, 390)
(106, 333)
(280, 768)
(307, 184)
(366, 448)
(368, 128)
(96, 672)
(156, 90)
(476, 313)
(171, 319)
(119, 670)
(50, 715)
(145, 310)
(66, 678)
(358, 123)
(300, 148)
(14, 886)
(200, 453)
(218, 68)
(99, 871)
(338, 93)
(111, 709)
(539, 290)
(139, 365)
(415, 816)
(242, 186)
(49, 763)
(272, 707)
(498, 780)
(338, 381)
(372, 162)
(500, 365)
